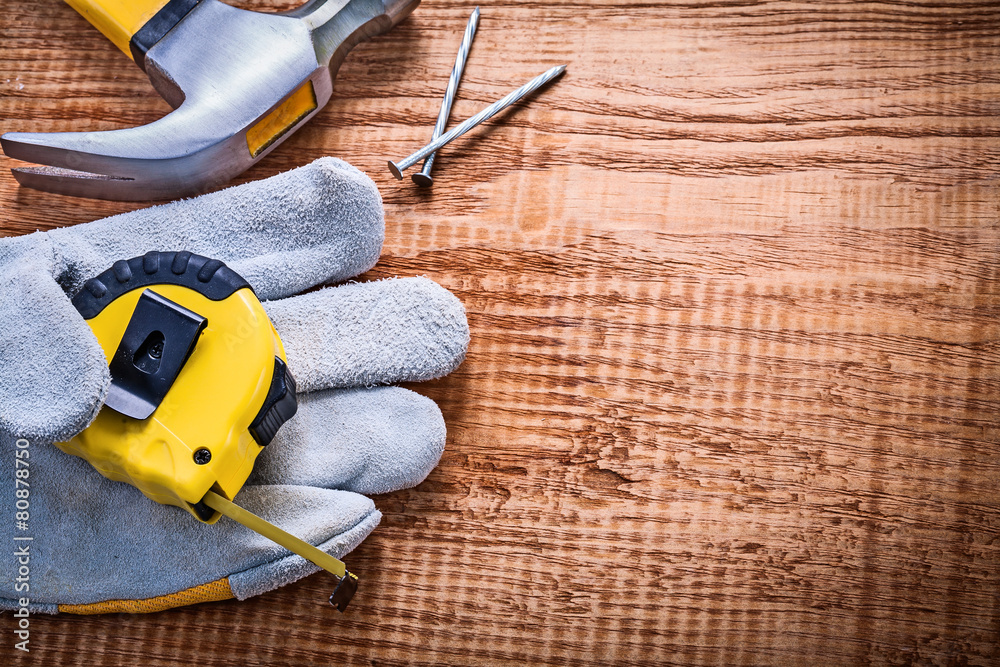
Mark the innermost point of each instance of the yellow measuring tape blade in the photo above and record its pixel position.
(275, 534)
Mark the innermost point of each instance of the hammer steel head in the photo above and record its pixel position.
(240, 83)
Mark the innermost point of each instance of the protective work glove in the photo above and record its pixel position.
(101, 546)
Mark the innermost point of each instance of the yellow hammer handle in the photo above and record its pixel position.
(118, 20)
(275, 534)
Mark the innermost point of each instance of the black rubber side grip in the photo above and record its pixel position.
(279, 406)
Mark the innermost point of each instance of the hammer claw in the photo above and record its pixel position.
(58, 170)
(58, 152)
(99, 164)
(67, 181)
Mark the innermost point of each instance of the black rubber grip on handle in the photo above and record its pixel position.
(157, 27)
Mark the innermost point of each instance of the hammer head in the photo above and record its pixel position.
(240, 83)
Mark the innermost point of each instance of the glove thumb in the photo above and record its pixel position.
(53, 374)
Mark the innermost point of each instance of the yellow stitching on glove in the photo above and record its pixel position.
(210, 592)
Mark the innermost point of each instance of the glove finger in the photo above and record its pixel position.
(96, 540)
(369, 441)
(319, 223)
(53, 374)
(363, 334)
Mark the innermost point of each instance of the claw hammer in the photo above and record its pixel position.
(240, 82)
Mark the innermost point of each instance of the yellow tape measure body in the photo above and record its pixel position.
(206, 430)
(199, 386)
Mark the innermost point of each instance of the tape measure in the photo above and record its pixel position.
(199, 386)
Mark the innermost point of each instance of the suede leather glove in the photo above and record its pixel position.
(101, 546)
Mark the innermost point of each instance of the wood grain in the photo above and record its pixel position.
(733, 393)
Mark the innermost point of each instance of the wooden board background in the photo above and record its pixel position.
(733, 392)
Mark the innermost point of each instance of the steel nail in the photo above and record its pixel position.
(423, 177)
(397, 168)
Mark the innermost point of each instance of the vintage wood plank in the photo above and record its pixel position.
(733, 393)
